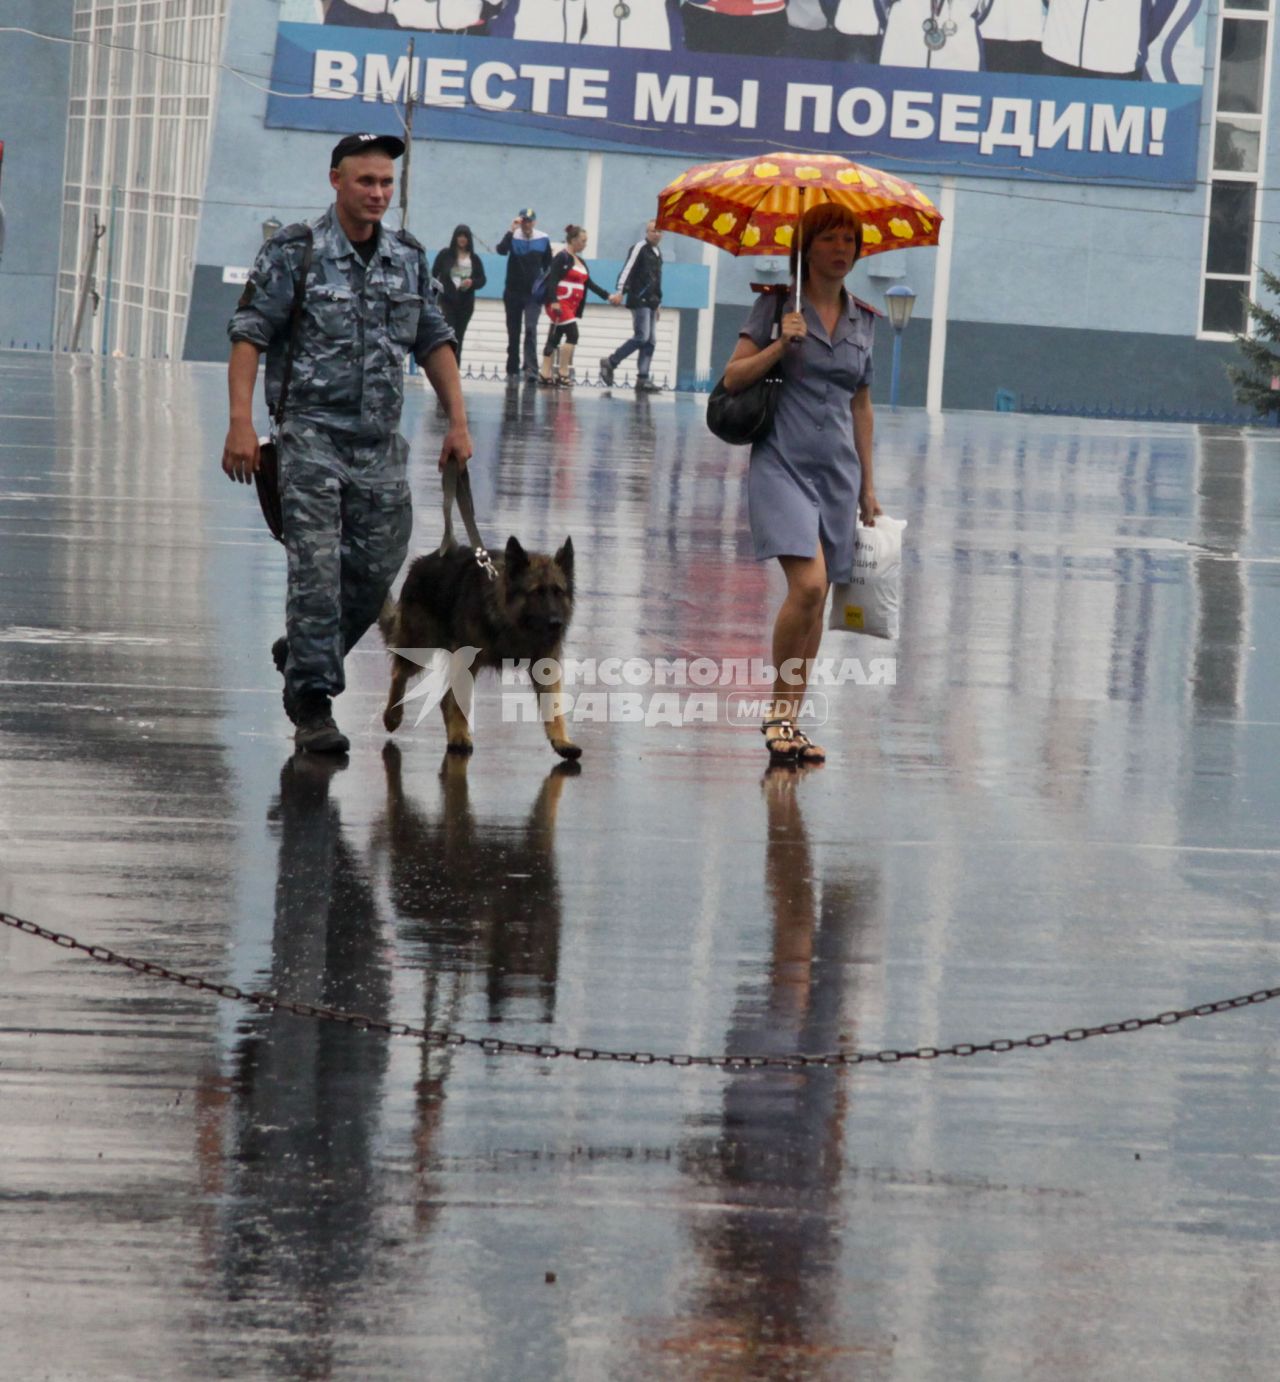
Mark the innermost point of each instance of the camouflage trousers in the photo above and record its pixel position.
(347, 520)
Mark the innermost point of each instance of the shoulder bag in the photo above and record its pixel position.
(266, 478)
(744, 417)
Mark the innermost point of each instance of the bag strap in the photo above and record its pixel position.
(295, 326)
(457, 489)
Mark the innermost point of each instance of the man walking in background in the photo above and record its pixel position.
(640, 289)
(528, 253)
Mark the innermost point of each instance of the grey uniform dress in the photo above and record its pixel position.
(805, 475)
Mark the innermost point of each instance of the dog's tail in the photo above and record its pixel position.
(389, 622)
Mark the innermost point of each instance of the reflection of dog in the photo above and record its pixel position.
(480, 897)
(449, 602)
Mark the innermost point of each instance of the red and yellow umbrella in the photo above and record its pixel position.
(752, 205)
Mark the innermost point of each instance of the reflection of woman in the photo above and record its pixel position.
(566, 299)
(811, 474)
(460, 272)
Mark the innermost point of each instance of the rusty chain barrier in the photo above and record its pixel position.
(496, 1046)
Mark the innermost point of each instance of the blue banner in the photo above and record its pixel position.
(481, 87)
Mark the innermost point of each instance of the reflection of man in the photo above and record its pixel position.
(299, 1221)
(528, 253)
(640, 288)
(344, 492)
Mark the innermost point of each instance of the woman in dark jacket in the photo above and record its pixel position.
(460, 273)
(566, 298)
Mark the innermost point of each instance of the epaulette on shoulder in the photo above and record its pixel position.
(866, 306)
(406, 239)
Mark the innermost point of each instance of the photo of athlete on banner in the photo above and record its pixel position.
(1152, 40)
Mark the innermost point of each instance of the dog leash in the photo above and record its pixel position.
(457, 489)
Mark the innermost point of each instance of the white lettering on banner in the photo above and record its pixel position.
(636, 672)
(959, 118)
(797, 94)
(1118, 134)
(710, 108)
(657, 102)
(577, 670)
(703, 672)
(909, 123)
(382, 83)
(541, 77)
(1021, 136)
(446, 83)
(482, 93)
(847, 111)
(1054, 124)
(609, 672)
(884, 671)
(750, 103)
(588, 85)
(334, 75)
(669, 672)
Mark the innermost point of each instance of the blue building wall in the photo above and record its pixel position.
(34, 87)
(1060, 293)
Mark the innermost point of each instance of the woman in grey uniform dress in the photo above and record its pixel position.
(811, 477)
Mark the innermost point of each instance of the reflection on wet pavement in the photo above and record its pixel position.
(1064, 811)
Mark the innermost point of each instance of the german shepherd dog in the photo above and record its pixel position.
(448, 601)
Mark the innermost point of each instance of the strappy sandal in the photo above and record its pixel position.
(807, 751)
(781, 740)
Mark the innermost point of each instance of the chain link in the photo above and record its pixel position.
(498, 1046)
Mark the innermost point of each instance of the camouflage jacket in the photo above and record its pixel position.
(357, 324)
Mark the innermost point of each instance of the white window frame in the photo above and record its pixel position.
(145, 283)
(1248, 284)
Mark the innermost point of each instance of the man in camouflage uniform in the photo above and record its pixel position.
(344, 491)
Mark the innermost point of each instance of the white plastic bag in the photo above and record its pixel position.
(869, 602)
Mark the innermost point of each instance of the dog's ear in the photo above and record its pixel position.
(517, 557)
(564, 560)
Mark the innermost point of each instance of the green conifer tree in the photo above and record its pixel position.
(1257, 381)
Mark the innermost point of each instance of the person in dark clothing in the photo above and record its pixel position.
(640, 288)
(566, 298)
(528, 253)
(459, 271)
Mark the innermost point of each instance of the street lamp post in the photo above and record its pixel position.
(899, 300)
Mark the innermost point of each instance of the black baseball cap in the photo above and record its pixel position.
(365, 144)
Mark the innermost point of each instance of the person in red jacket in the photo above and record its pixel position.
(566, 297)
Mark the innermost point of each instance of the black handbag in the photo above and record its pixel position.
(266, 479)
(744, 417)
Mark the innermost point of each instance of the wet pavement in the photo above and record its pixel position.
(1063, 812)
